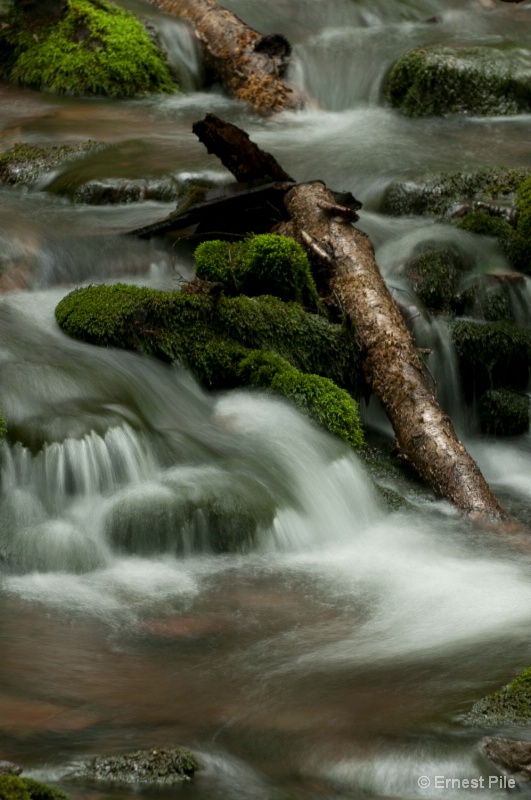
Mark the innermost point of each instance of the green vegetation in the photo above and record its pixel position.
(434, 276)
(331, 406)
(160, 766)
(492, 355)
(214, 336)
(94, 48)
(512, 704)
(504, 413)
(449, 80)
(261, 265)
(13, 787)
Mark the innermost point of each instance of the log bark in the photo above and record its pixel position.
(424, 433)
(248, 65)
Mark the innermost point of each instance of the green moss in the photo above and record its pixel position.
(434, 276)
(160, 766)
(492, 355)
(485, 225)
(504, 413)
(95, 48)
(13, 788)
(213, 335)
(331, 406)
(263, 264)
(512, 704)
(448, 80)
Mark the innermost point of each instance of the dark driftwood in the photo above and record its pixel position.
(424, 433)
(237, 152)
(246, 209)
(248, 65)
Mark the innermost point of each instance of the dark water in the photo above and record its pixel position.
(334, 656)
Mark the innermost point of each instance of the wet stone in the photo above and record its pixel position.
(161, 765)
(9, 768)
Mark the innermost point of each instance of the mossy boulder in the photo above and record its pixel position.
(509, 705)
(260, 265)
(504, 413)
(486, 80)
(493, 297)
(331, 406)
(434, 275)
(94, 48)
(492, 355)
(14, 787)
(23, 164)
(162, 765)
(214, 335)
(441, 194)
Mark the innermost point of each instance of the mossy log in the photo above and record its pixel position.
(424, 433)
(248, 65)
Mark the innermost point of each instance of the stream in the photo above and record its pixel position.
(337, 654)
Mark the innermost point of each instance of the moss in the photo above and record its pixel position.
(23, 164)
(159, 766)
(492, 355)
(331, 406)
(434, 276)
(263, 264)
(504, 413)
(511, 704)
(485, 225)
(13, 788)
(212, 336)
(95, 48)
(516, 244)
(448, 80)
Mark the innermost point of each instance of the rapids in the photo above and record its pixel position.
(336, 652)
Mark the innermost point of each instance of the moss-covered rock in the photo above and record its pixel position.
(260, 265)
(213, 335)
(504, 413)
(482, 80)
(492, 355)
(331, 406)
(434, 276)
(163, 765)
(13, 787)
(23, 164)
(94, 48)
(441, 194)
(511, 704)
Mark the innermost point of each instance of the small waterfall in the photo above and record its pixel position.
(178, 40)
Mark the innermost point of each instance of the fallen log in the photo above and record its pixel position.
(425, 434)
(248, 65)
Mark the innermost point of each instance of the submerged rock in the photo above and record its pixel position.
(161, 765)
(511, 704)
(513, 757)
(23, 164)
(482, 80)
(92, 48)
(9, 768)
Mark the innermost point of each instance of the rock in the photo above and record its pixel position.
(510, 705)
(23, 164)
(487, 81)
(434, 276)
(91, 48)
(510, 755)
(160, 765)
(492, 355)
(504, 413)
(9, 768)
(443, 194)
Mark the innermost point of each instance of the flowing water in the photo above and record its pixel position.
(336, 653)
